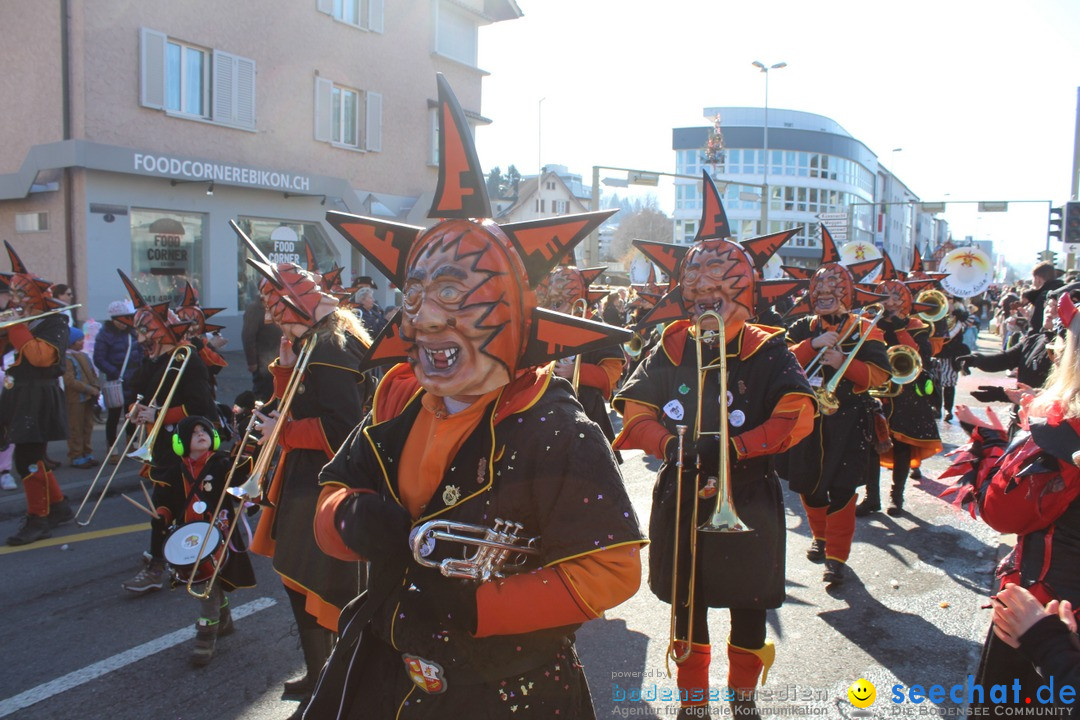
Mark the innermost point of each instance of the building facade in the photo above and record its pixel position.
(135, 131)
(817, 171)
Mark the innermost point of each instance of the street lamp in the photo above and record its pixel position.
(765, 168)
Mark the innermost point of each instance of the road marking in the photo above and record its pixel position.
(79, 537)
(92, 672)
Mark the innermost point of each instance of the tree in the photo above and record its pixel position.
(495, 182)
(513, 180)
(647, 223)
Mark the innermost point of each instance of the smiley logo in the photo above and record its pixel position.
(862, 693)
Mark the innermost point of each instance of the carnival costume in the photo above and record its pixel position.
(32, 407)
(828, 466)
(1029, 486)
(469, 430)
(769, 407)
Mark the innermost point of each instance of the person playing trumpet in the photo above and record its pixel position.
(471, 427)
(827, 467)
(768, 408)
(32, 406)
(161, 335)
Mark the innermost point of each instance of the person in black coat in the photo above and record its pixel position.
(32, 406)
(117, 352)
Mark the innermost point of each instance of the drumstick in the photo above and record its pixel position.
(151, 513)
(149, 502)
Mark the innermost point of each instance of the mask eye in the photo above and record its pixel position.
(412, 297)
(449, 294)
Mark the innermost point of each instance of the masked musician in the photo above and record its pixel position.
(161, 335)
(827, 467)
(769, 407)
(566, 290)
(204, 337)
(912, 424)
(324, 407)
(32, 406)
(470, 430)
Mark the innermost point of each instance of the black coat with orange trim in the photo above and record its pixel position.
(192, 394)
(33, 408)
(911, 418)
(761, 370)
(534, 458)
(834, 456)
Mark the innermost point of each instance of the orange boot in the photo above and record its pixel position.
(838, 537)
(59, 510)
(692, 678)
(35, 526)
(744, 667)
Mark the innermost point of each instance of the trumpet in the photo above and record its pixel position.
(253, 489)
(904, 366)
(933, 296)
(828, 404)
(499, 550)
(724, 518)
(121, 433)
(10, 317)
(182, 355)
(634, 345)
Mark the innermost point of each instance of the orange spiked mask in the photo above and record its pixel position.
(27, 291)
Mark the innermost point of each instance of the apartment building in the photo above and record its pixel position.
(134, 131)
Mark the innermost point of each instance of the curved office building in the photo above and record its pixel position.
(816, 168)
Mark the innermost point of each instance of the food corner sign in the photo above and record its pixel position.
(195, 170)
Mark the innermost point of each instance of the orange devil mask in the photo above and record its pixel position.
(833, 289)
(566, 287)
(715, 273)
(157, 328)
(27, 291)
(191, 312)
(469, 320)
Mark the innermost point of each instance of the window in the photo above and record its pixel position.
(455, 33)
(281, 241)
(560, 207)
(186, 80)
(166, 252)
(347, 117)
(366, 14)
(31, 222)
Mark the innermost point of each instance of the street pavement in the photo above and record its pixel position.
(910, 614)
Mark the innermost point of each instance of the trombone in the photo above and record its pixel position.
(6, 323)
(122, 432)
(724, 519)
(933, 296)
(828, 404)
(580, 309)
(183, 355)
(815, 368)
(252, 490)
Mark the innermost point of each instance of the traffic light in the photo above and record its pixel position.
(1054, 224)
(1070, 222)
(1048, 256)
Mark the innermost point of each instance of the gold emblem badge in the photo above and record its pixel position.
(451, 495)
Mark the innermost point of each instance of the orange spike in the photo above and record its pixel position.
(829, 253)
(714, 222)
(541, 243)
(385, 244)
(762, 248)
(462, 192)
(799, 273)
(387, 347)
(667, 255)
(668, 308)
(553, 335)
(860, 270)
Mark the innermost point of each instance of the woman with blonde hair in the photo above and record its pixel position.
(1030, 488)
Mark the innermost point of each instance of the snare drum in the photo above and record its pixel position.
(182, 551)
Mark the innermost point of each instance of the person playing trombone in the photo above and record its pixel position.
(845, 356)
(174, 384)
(768, 407)
(322, 345)
(472, 428)
(32, 406)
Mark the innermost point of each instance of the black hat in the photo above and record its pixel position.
(186, 428)
(360, 281)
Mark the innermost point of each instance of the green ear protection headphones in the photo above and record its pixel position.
(178, 443)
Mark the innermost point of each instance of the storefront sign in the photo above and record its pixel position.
(220, 172)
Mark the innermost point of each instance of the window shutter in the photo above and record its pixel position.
(245, 92)
(373, 128)
(223, 95)
(324, 107)
(152, 75)
(325, 6)
(375, 16)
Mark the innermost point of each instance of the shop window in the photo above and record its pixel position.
(281, 241)
(166, 252)
(184, 79)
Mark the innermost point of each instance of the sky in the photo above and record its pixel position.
(980, 95)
